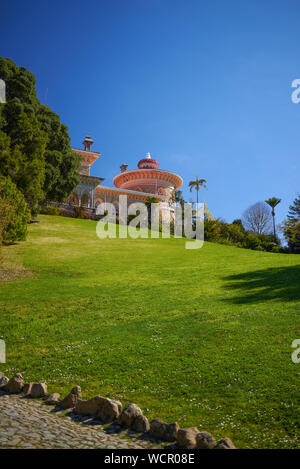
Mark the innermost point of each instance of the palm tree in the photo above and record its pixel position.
(273, 202)
(197, 184)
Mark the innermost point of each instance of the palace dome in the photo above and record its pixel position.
(148, 178)
(148, 163)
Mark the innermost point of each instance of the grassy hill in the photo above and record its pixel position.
(198, 336)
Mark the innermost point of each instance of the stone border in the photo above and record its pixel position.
(110, 411)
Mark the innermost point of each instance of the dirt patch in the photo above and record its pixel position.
(11, 269)
(50, 239)
(14, 274)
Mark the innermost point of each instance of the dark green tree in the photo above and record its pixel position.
(294, 210)
(61, 169)
(26, 165)
(37, 154)
(291, 226)
(15, 211)
(238, 222)
(20, 83)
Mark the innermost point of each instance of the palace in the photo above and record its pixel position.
(137, 184)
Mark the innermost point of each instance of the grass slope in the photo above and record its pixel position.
(198, 336)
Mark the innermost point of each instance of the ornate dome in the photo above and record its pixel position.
(148, 163)
(147, 178)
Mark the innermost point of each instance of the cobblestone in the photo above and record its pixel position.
(28, 423)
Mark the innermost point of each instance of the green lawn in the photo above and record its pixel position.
(198, 336)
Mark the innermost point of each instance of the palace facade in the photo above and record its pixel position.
(148, 180)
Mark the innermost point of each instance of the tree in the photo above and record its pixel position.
(5, 217)
(196, 184)
(273, 202)
(14, 214)
(257, 218)
(294, 210)
(238, 222)
(61, 163)
(293, 236)
(291, 226)
(27, 142)
(179, 198)
(35, 149)
(219, 231)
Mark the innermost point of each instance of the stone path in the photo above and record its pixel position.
(28, 423)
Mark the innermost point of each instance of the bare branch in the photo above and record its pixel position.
(258, 218)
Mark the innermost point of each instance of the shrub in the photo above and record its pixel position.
(67, 212)
(210, 229)
(292, 235)
(234, 234)
(50, 210)
(79, 212)
(14, 212)
(5, 217)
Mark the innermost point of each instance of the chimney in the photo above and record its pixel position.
(87, 143)
(123, 167)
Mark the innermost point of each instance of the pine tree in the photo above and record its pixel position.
(294, 209)
(291, 227)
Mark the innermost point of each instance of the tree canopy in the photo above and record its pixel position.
(273, 202)
(35, 150)
(291, 227)
(14, 214)
(257, 218)
(294, 210)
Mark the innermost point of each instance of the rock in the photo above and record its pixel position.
(132, 417)
(89, 407)
(109, 410)
(38, 390)
(205, 441)
(71, 399)
(129, 414)
(15, 384)
(186, 437)
(163, 431)
(225, 443)
(140, 424)
(52, 399)
(3, 380)
(27, 388)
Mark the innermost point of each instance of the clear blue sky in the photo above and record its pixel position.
(205, 86)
